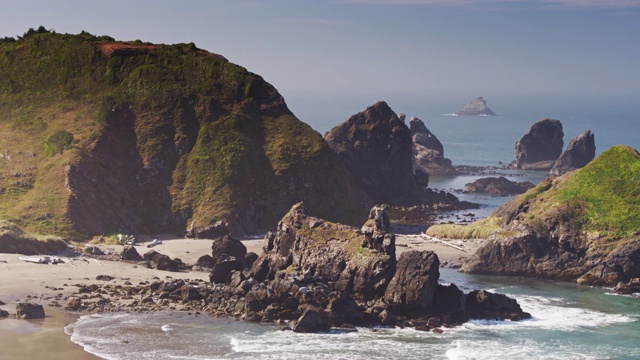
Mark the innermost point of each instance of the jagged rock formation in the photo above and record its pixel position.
(29, 311)
(150, 138)
(428, 152)
(580, 151)
(376, 147)
(477, 107)
(497, 186)
(580, 227)
(540, 147)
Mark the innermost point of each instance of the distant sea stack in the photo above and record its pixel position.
(477, 107)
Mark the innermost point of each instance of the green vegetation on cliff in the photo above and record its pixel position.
(100, 136)
(602, 199)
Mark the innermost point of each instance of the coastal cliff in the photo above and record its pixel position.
(102, 136)
(582, 226)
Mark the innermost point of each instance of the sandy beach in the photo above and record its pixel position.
(48, 285)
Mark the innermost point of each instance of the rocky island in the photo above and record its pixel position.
(477, 107)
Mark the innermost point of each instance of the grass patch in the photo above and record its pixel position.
(480, 229)
(58, 142)
(14, 239)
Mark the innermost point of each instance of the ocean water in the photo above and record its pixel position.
(569, 322)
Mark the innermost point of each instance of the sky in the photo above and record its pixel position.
(378, 49)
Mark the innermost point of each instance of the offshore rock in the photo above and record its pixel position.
(497, 186)
(428, 152)
(485, 305)
(477, 107)
(312, 322)
(377, 148)
(580, 151)
(539, 148)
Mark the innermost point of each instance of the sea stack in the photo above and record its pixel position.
(580, 151)
(540, 147)
(477, 107)
(428, 152)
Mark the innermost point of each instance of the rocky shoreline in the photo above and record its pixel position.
(313, 275)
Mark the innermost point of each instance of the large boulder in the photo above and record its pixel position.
(428, 152)
(224, 267)
(482, 304)
(227, 246)
(160, 261)
(29, 311)
(3, 313)
(312, 322)
(206, 262)
(414, 282)
(580, 151)
(130, 253)
(497, 186)
(539, 148)
(477, 107)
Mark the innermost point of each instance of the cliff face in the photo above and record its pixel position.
(582, 226)
(154, 138)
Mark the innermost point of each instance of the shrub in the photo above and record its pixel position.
(58, 142)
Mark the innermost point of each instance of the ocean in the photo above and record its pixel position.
(569, 321)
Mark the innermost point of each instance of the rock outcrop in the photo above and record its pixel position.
(578, 227)
(144, 138)
(497, 186)
(428, 152)
(477, 107)
(580, 151)
(376, 147)
(540, 147)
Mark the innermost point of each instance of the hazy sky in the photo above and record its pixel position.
(313, 49)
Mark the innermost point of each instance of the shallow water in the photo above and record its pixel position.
(569, 322)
